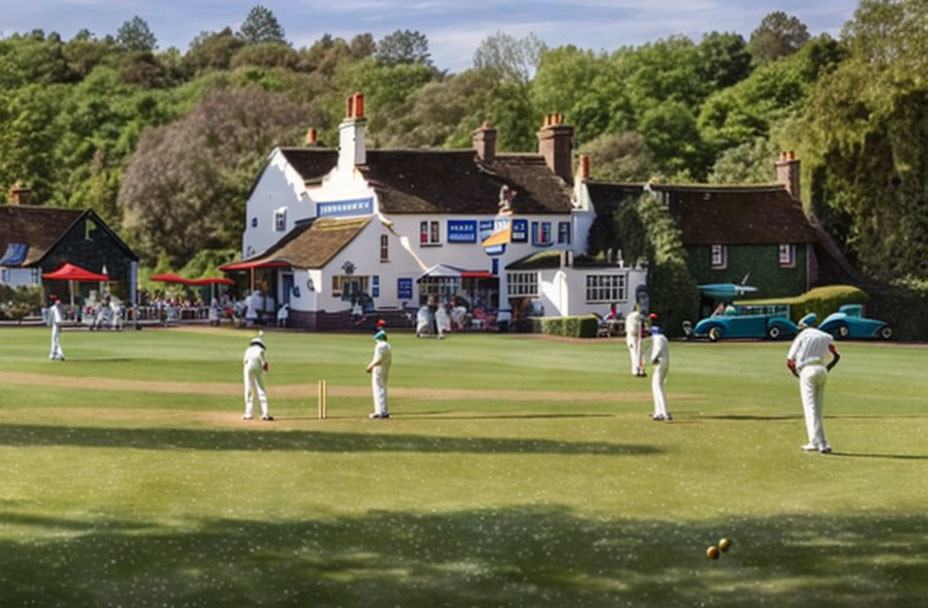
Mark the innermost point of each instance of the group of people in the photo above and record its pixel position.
(806, 360)
(256, 365)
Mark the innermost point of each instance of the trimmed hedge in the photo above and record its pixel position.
(570, 327)
(821, 300)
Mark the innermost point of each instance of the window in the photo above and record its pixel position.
(719, 257)
(384, 248)
(440, 289)
(563, 233)
(541, 233)
(429, 233)
(787, 256)
(605, 288)
(348, 284)
(522, 284)
(280, 220)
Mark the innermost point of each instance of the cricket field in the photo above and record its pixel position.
(515, 471)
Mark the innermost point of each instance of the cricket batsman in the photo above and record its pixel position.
(255, 366)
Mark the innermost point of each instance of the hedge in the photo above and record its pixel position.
(821, 300)
(570, 327)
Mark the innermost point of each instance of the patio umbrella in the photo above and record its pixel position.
(72, 273)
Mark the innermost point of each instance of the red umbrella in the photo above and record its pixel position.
(213, 281)
(71, 273)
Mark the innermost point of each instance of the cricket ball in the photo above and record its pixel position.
(712, 552)
(725, 544)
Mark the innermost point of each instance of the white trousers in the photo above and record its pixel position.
(379, 388)
(254, 385)
(812, 390)
(422, 328)
(56, 352)
(658, 376)
(634, 352)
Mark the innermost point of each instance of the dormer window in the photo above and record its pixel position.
(280, 220)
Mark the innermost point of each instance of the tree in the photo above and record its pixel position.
(620, 157)
(747, 163)
(778, 35)
(186, 185)
(212, 51)
(403, 46)
(134, 35)
(724, 59)
(261, 26)
(511, 58)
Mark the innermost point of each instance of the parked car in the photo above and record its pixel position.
(771, 322)
(849, 323)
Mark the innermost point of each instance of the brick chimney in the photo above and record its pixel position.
(312, 140)
(19, 194)
(351, 150)
(788, 171)
(555, 143)
(485, 143)
(583, 169)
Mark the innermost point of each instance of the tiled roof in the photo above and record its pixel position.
(36, 227)
(435, 181)
(546, 260)
(311, 163)
(721, 215)
(314, 244)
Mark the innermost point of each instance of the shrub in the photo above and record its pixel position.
(16, 303)
(570, 327)
(821, 300)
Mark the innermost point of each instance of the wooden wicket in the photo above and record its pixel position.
(323, 395)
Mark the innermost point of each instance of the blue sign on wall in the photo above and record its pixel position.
(375, 286)
(519, 231)
(404, 289)
(486, 229)
(462, 231)
(358, 206)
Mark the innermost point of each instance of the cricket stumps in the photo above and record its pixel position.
(323, 395)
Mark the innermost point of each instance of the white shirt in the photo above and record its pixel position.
(383, 355)
(810, 346)
(55, 315)
(632, 323)
(282, 313)
(254, 354)
(660, 349)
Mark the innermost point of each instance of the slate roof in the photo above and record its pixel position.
(437, 181)
(311, 163)
(546, 260)
(313, 244)
(721, 215)
(39, 228)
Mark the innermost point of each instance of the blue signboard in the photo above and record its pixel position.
(486, 229)
(404, 289)
(462, 231)
(358, 206)
(519, 231)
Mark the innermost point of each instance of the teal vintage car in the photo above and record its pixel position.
(771, 322)
(849, 323)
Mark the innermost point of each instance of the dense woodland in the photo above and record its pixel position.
(165, 144)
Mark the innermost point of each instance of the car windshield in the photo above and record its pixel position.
(780, 310)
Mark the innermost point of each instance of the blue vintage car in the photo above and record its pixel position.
(849, 323)
(771, 322)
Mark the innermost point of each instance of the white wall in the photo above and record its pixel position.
(563, 290)
(17, 277)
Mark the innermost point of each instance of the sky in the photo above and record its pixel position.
(454, 28)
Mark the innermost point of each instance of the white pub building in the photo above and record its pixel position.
(328, 228)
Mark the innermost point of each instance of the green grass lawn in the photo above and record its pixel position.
(545, 484)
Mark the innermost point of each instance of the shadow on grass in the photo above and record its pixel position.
(890, 456)
(304, 441)
(517, 556)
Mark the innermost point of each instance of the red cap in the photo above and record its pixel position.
(652, 316)
(381, 323)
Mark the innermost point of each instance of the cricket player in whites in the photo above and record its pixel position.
(379, 368)
(660, 358)
(634, 326)
(806, 360)
(55, 319)
(255, 366)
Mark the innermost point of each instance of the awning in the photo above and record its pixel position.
(448, 271)
(70, 272)
(14, 255)
(253, 264)
(482, 274)
(170, 277)
(498, 238)
(212, 281)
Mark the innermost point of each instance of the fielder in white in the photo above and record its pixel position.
(806, 360)
(634, 324)
(55, 319)
(660, 359)
(423, 321)
(255, 366)
(379, 368)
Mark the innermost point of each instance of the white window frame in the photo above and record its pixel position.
(522, 284)
(786, 253)
(606, 288)
(431, 230)
(718, 257)
(563, 230)
(280, 220)
(339, 280)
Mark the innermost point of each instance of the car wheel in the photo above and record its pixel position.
(886, 332)
(774, 332)
(842, 332)
(715, 334)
